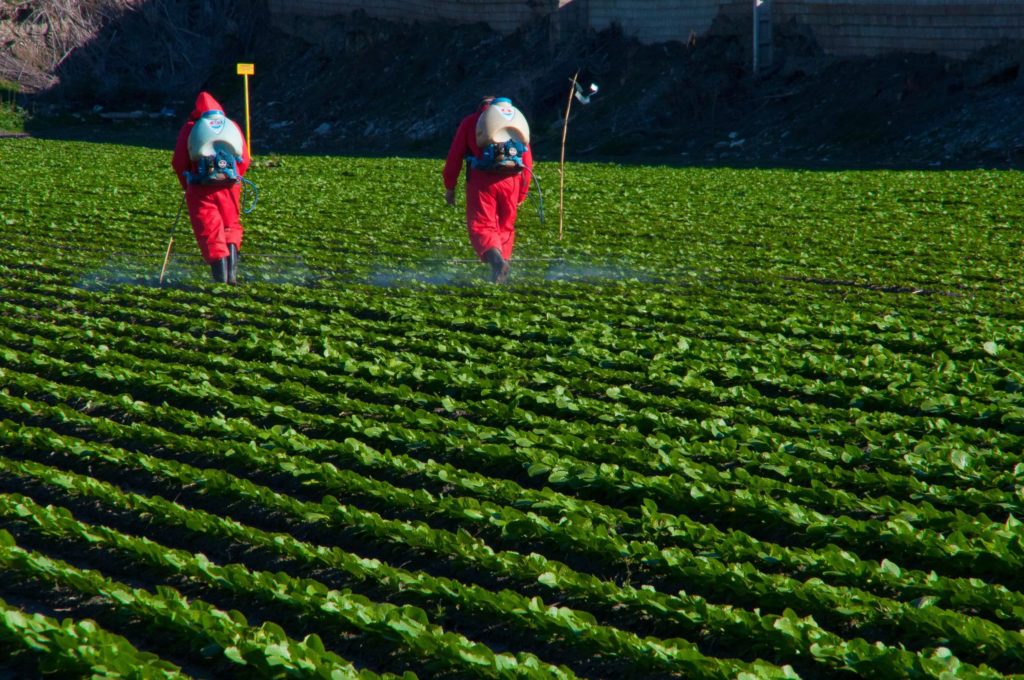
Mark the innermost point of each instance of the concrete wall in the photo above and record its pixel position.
(655, 20)
(842, 27)
(502, 15)
(868, 27)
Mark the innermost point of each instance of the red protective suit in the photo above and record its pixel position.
(492, 199)
(213, 211)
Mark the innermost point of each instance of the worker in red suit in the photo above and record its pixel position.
(492, 198)
(214, 210)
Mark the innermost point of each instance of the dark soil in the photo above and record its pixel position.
(356, 85)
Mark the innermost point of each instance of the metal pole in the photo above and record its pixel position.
(248, 138)
(246, 70)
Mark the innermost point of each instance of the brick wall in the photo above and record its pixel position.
(842, 27)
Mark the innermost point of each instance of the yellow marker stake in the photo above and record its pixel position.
(247, 70)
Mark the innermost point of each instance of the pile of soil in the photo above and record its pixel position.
(360, 85)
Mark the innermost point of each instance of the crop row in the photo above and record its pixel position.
(776, 440)
(674, 529)
(407, 626)
(791, 356)
(855, 654)
(205, 629)
(949, 458)
(415, 536)
(701, 572)
(75, 648)
(704, 481)
(677, 530)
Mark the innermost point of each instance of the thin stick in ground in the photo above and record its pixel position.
(561, 162)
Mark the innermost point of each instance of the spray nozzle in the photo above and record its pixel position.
(585, 98)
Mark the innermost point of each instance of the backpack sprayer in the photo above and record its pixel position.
(503, 135)
(215, 145)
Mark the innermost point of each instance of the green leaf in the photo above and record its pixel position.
(537, 469)
(891, 568)
(960, 459)
(926, 601)
(558, 476)
(548, 578)
(234, 655)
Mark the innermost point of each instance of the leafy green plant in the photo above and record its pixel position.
(740, 423)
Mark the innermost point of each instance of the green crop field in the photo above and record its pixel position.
(734, 424)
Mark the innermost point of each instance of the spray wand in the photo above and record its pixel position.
(170, 243)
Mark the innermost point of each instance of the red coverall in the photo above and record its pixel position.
(492, 199)
(213, 211)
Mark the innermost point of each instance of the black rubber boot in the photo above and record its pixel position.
(219, 268)
(499, 266)
(232, 264)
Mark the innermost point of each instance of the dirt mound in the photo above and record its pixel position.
(359, 85)
(106, 51)
(371, 86)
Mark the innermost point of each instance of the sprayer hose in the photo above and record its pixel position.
(248, 186)
(540, 194)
